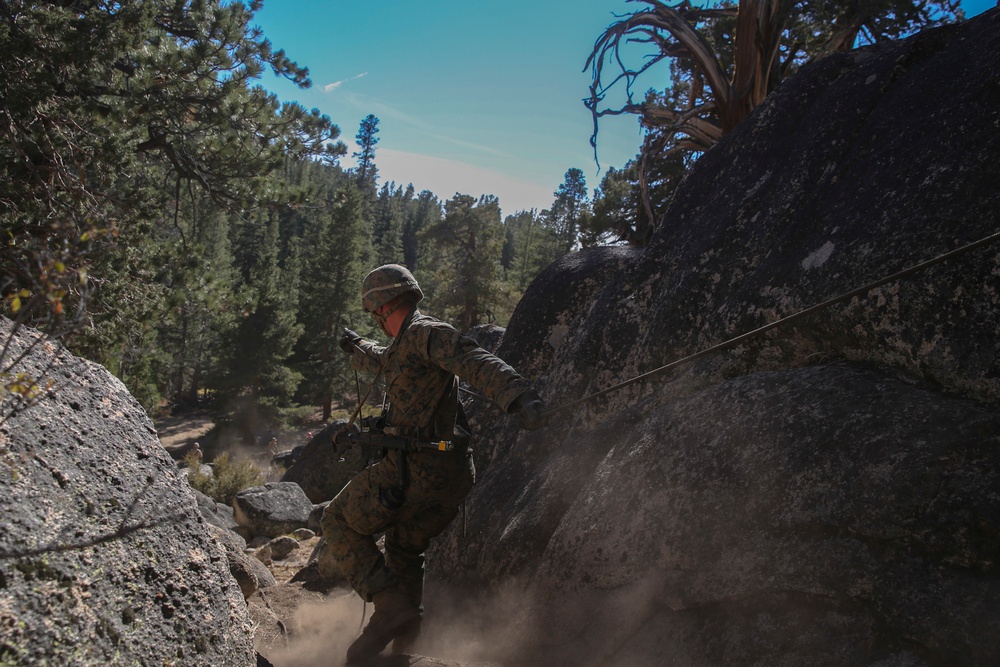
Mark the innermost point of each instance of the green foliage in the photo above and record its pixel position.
(228, 477)
(465, 282)
(333, 266)
(570, 210)
(530, 245)
(622, 212)
(388, 225)
(419, 214)
(724, 60)
(199, 303)
(253, 382)
(109, 110)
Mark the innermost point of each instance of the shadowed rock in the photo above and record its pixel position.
(821, 494)
(249, 573)
(319, 469)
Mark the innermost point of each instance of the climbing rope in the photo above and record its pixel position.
(785, 320)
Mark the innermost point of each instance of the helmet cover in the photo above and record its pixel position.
(385, 283)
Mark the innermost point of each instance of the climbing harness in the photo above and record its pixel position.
(785, 320)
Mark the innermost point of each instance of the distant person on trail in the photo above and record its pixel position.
(412, 496)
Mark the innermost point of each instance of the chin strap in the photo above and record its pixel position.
(382, 318)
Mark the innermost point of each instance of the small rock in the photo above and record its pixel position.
(282, 546)
(264, 554)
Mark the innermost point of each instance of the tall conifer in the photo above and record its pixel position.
(334, 262)
(468, 244)
(254, 384)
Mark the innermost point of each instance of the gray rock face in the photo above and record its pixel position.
(272, 510)
(250, 574)
(104, 556)
(826, 513)
(821, 494)
(214, 512)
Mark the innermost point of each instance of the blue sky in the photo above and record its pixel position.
(472, 97)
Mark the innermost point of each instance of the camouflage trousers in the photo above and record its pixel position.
(366, 506)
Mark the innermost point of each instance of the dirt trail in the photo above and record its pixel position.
(183, 429)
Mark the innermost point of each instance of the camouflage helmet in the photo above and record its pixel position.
(385, 283)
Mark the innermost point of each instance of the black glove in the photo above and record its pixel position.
(530, 411)
(349, 340)
(341, 441)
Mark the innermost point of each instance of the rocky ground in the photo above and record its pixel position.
(295, 623)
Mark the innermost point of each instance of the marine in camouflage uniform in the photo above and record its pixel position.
(413, 496)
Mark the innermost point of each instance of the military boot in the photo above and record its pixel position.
(393, 613)
(407, 637)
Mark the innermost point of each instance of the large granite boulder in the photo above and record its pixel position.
(272, 510)
(824, 493)
(104, 556)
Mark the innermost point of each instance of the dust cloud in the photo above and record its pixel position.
(458, 627)
(319, 633)
(485, 627)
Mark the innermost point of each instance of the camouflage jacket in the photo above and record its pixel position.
(421, 367)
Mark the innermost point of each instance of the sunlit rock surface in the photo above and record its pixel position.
(104, 556)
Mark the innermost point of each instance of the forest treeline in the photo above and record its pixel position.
(246, 308)
(166, 216)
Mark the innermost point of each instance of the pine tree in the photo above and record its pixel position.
(335, 262)
(199, 280)
(620, 212)
(366, 171)
(388, 225)
(254, 384)
(468, 244)
(419, 213)
(570, 210)
(112, 110)
(530, 245)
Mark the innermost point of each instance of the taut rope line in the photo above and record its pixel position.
(785, 320)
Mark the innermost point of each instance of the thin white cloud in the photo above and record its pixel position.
(388, 112)
(330, 87)
(445, 178)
